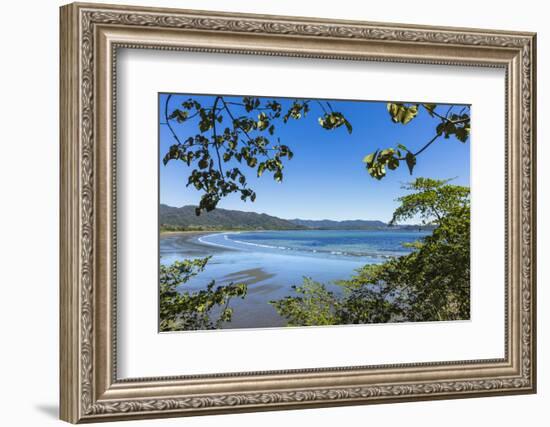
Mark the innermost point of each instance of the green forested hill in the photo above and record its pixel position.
(184, 218)
(172, 218)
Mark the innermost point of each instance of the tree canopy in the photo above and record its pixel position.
(244, 131)
(204, 309)
(233, 135)
(430, 284)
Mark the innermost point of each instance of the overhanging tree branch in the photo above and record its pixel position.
(214, 118)
(167, 120)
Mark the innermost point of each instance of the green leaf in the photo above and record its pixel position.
(334, 120)
(410, 158)
(430, 108)
(251, 161)
(261, 168)
(393, 163)
(203, 163)
(462, 133)
(400, 113)
(348, 126)
(179, 115)
(369, 158)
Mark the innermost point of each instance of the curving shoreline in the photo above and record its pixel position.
(189, 242)
(369, 246)
(269, 276)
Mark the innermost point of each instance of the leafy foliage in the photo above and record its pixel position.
(378, 161)
(205, 309)
(450, 124)
(401, 113)
(314, 305)
(431, 200)
(335, 120)
(430, 284)
(423, 286)
(232, 135)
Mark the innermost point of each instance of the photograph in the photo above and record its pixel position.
(266, 211)
(290, 212)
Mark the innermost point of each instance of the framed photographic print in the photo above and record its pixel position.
(264, 212)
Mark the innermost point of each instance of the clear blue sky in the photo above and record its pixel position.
(326, 178)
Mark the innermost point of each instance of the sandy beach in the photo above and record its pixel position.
(188, 243)
(268, 275)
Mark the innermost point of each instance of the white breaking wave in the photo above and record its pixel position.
(259, 245)
(201, 239)
(235, 245)
(226, 237)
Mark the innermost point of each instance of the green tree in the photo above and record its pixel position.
(431, 200)
(430, 284)
(242, 132)
(313, 306)
(204, 309)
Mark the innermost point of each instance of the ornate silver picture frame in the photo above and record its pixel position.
(91, 35)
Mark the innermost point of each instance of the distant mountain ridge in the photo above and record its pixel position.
(222, 219)
(184, 218)
(328, 224)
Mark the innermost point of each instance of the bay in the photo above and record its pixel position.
(271, 262)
